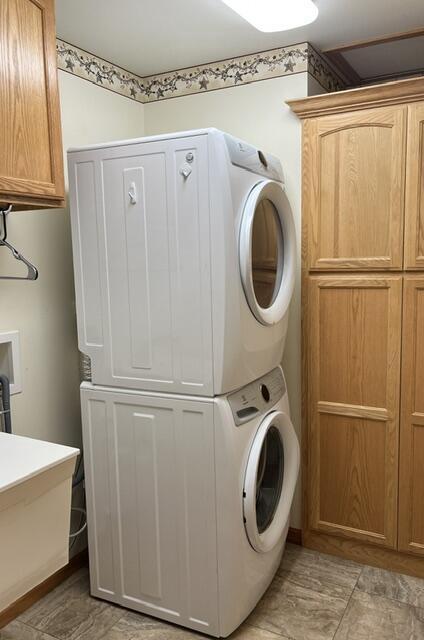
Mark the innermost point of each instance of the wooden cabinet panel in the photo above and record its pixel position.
(414, 216)
(352, 478)
(31, 165)
(411, 498)
(354, 166)
(354, 327)
(363, 334)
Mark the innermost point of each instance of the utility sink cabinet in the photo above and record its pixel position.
(35, 508)
(31, 159)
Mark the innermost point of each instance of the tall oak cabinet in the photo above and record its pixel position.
(363, 323)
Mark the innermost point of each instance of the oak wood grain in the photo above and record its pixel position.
(354, 336)
(353, 487)
(414, 209)
(353, 411)
(369, 554)
(411, 476)
(307, 194)
(355, 206)
(389, 93)
(294, 536)
(31, 163)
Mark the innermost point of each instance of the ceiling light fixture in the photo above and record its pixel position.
(275, 15)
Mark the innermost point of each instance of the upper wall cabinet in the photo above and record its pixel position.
(31, 164)
(354, 166)
(414, 231)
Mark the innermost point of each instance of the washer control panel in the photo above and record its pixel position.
(257, 397)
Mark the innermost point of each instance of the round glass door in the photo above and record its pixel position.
(267, 252)
(270, 481)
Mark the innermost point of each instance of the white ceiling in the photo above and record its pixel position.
(152, 36)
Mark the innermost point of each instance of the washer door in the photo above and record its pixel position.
(270, 481)
(268, 252)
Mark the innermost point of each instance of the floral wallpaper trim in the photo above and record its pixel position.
(98, 71)
(319, 69)
(228, 73)
(275, 63)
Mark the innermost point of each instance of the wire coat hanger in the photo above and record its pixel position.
(32, 271)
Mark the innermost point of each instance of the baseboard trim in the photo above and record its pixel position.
(369, 554)
(25, 602)
(295, 536)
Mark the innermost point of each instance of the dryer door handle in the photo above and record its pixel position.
(185, 171)
(132, 192)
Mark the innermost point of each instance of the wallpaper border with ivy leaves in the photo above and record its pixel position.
(299, 58)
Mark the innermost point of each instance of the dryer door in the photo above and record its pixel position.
(268, 252)
(270, 481)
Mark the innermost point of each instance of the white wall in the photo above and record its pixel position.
(44, 311)
(257, 113)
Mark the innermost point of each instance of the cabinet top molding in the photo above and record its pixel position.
(401, 91)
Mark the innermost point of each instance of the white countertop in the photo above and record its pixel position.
(22, 458)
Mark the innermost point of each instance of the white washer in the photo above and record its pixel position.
(257, 458)
(188, 500)
(184, 254)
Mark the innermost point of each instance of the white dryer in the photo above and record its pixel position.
(188, 500)
(184, 254)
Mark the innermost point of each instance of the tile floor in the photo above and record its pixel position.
(313, 597)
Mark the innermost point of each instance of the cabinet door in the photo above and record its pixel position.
(414, 217)
(31, 165)
(411, 497)
(354, 165)
(354, 326)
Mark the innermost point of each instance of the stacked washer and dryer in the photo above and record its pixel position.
(184, 253)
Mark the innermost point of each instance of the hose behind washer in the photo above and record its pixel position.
(5, 395)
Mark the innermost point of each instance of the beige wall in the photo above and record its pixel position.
(257, 113)
(44, 311)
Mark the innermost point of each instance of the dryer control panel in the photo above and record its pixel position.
(247, 157)
(257, 397)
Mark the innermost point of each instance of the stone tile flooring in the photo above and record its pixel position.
(313, 597)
